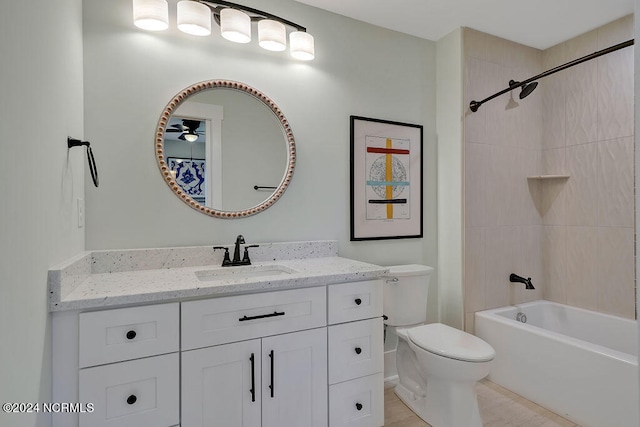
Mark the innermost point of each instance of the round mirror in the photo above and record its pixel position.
(225, 149)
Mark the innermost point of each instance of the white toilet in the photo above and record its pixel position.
(438, 366)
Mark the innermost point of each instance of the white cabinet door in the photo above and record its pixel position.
(221, 386)
(294, 379)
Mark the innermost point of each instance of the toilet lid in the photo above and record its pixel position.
(449, 342)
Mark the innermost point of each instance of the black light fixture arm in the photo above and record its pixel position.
(474, 105)
(215, 8)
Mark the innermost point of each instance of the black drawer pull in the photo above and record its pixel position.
(358, 350)
(358, 301)
(131, 335)
(359, 406)
(261, 316)
(272, 386)
(132, 399)
(253, 378)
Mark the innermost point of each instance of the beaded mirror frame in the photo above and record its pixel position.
(170, 109)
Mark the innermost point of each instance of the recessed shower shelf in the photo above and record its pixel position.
(546, 177)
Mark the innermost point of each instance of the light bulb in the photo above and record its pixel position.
(302, 46)
(194, 18)
(191, 137)
(272, 35)
(235, 25)
(152, 15)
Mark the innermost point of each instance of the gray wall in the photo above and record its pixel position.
(359, 70)
(41, 87)
(636, 63)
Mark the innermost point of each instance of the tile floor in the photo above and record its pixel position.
(499, 407)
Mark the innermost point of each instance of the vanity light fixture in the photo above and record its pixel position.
(194, 17)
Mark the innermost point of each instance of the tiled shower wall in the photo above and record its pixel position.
(573, 236)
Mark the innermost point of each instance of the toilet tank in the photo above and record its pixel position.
(405, 294)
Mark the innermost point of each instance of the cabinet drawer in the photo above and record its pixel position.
(355, 301)
(128, 333)
(143, 392)
(230, 319)
(355, 350)
(357, 402)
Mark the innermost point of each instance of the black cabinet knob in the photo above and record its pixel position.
(358, 301)
(358, 350)
(359, 406)
(131, 335)
(132, 399)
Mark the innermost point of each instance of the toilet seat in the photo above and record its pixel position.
(450, 342)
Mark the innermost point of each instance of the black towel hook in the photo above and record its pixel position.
(73, 142)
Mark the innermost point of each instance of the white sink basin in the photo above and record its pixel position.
(240, 272)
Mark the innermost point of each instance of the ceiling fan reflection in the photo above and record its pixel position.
(188, 128)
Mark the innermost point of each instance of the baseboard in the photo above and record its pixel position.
(390, 382)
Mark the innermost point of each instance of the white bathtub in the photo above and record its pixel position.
(580, 364)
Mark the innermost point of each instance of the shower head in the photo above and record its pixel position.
(526, 88)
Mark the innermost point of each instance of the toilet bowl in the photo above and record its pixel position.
(438, 366)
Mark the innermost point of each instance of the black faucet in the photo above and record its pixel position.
(227, 262)
(517, 279)
(236, 251)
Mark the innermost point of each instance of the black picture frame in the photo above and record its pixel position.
(384, 151)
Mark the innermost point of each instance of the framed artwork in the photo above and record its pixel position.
(386, 179)
(189, 174)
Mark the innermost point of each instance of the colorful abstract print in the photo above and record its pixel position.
(388, 171)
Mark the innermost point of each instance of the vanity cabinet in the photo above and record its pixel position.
(309, 357)
(274, 378)
(271, 382)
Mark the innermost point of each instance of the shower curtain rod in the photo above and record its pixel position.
(474, 105)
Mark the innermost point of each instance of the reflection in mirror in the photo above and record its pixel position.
(225, 149)
(184, 148)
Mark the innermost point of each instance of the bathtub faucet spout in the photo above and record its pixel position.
(517, 279)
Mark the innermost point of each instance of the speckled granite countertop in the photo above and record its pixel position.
(113, 278)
